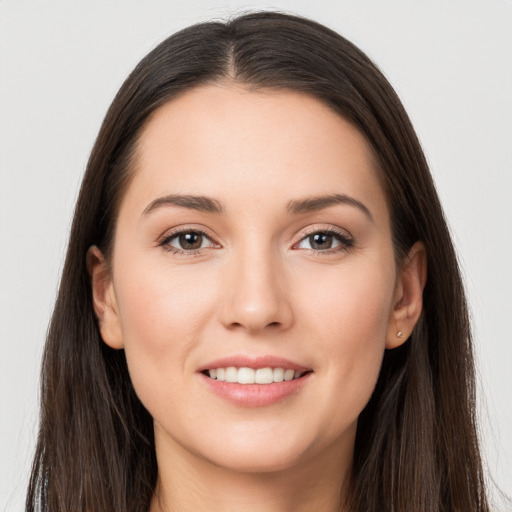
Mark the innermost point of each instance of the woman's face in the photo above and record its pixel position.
(254, 235)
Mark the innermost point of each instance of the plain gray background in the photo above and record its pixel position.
(60, 66)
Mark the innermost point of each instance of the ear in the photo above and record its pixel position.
(408, 298)
(104, 299)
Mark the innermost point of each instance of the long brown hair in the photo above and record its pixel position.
(416, 447)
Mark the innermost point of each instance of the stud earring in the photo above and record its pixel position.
(399, 334)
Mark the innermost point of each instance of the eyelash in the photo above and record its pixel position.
(182, 252)
(346, 242)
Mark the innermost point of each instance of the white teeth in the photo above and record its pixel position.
(246, 375)
(264, 376)
(231, 374)
(278, 374)
(289, 374)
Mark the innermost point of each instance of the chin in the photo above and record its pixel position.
(253, 461)
(258, 454)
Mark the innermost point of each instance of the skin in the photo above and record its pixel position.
(257, 286)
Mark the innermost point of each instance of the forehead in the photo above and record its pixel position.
(264, 147)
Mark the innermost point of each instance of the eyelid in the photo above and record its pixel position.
(344, 236)
(164, 239)
(324, 228)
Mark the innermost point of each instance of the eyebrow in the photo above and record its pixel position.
(298, 206)
(311, 204)
(200, 203)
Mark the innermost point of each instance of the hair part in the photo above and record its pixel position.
(416, 446)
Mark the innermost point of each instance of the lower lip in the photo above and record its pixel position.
(255, 395)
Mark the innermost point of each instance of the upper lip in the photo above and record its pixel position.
(242, 361)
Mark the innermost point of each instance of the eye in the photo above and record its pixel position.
(189, 241)
(325, 241)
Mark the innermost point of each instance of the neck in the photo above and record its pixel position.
(190, 483)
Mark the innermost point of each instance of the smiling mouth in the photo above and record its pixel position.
(244, 375)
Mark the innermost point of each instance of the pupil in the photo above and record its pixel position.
(191, 240)
(321, 241)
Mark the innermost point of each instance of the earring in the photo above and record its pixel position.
(399, 334)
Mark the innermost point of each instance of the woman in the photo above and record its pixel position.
(245, 320)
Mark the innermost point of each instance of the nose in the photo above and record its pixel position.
(255, 295)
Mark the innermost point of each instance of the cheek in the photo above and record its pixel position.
(163, 312)
(349, 312)
(158, 303)
(351, 304)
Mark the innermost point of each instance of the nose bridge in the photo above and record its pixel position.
(255, 296)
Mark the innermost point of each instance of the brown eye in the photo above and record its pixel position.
(186, 241)
(325, 241)
(320, 241)
(190, 241)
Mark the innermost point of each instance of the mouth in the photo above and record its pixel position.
(246, 375)
(246, 381)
